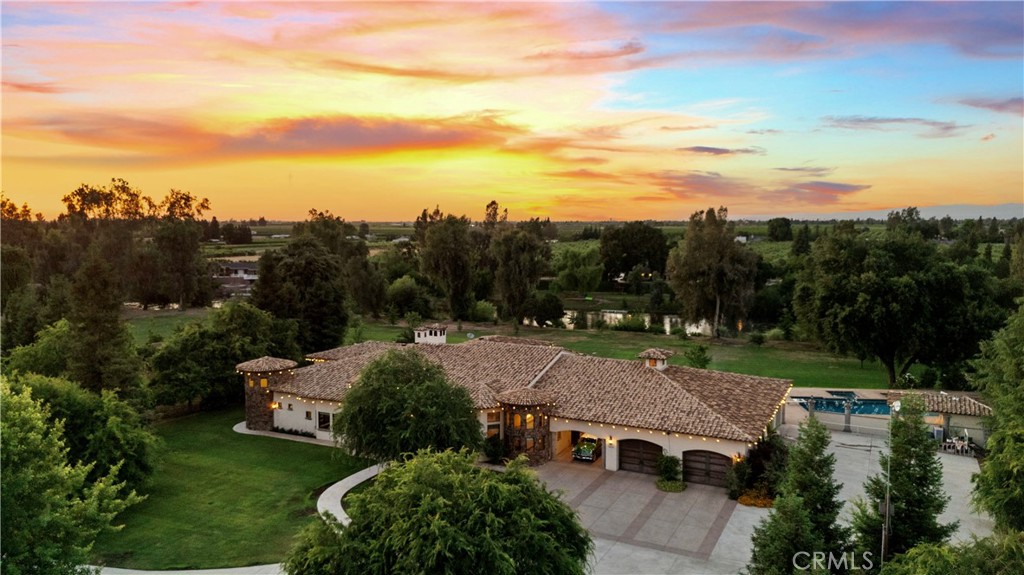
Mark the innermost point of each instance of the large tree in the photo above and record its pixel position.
(50, 515)
(198, 362)
(401, 403)
(710, 272)
(780, 538)
(441, 513)
(101, 353)
(521, 257)
(304, 282)
(894, 298)
(999, 554)
(99, 429)
(914, 481)
(578, 270)
(810, 474)
(636, 243)
(999, 487)
(445, 258)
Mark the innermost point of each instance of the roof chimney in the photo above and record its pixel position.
(656, 358)
(434, 333)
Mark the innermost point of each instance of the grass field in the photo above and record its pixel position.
(143, 324)
(222, 499)
(800, 362)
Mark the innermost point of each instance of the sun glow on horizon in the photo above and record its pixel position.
(582, 111)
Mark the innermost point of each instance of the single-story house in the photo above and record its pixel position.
(957, 413)
(540, 399)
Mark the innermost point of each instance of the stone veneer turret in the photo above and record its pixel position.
(260, 375)
(527, 414)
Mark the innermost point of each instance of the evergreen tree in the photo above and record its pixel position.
(915, 484)
(810, 474)
(999, 487)
(101, 354)
(802, 241)
(782, 538)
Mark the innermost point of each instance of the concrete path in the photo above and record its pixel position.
(330, 499)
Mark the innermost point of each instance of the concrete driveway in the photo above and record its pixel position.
(638, 529)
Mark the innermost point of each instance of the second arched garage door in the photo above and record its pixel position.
(639, 455)
(705, 467)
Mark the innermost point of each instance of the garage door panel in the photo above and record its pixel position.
(639, 455)
(706, 467)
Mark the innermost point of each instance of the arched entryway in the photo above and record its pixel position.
(639, 455)
(706, 467)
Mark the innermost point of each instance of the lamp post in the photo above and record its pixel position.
(886, 525)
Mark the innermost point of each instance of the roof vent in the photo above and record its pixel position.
(434, 333)
(656, 357)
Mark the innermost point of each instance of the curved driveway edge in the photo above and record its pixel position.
(330, 499)
(275, 569)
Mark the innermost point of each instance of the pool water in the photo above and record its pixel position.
(835, 405)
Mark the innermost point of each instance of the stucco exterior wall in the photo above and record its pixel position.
(674, 444)
(295, 418)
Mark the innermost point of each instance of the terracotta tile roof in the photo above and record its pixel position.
(627, 393)
(353, 350)
(656, 353)
(620, 392)
(747, 401)
(265, 363)
(953, 403)
(526, 396)
(517, 340)
(498, 366)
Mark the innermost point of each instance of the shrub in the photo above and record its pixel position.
(483, 311)
(669, 467)
(289, 431)
(767, 461)
(631, 323)
(758, 497)
(736, 478)
(680, 332)
(494, 449)
(775, 334)
(757, 338)
(670, 486)
(579, 320)
(698, 356)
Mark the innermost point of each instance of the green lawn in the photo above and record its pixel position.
(800, 362)
(162, 323)
(222, 499)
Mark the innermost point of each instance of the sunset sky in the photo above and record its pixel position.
(586, 111)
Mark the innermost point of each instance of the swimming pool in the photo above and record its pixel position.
(835, 405)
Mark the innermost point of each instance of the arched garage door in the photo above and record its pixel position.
(705, 467)
(639, 455)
